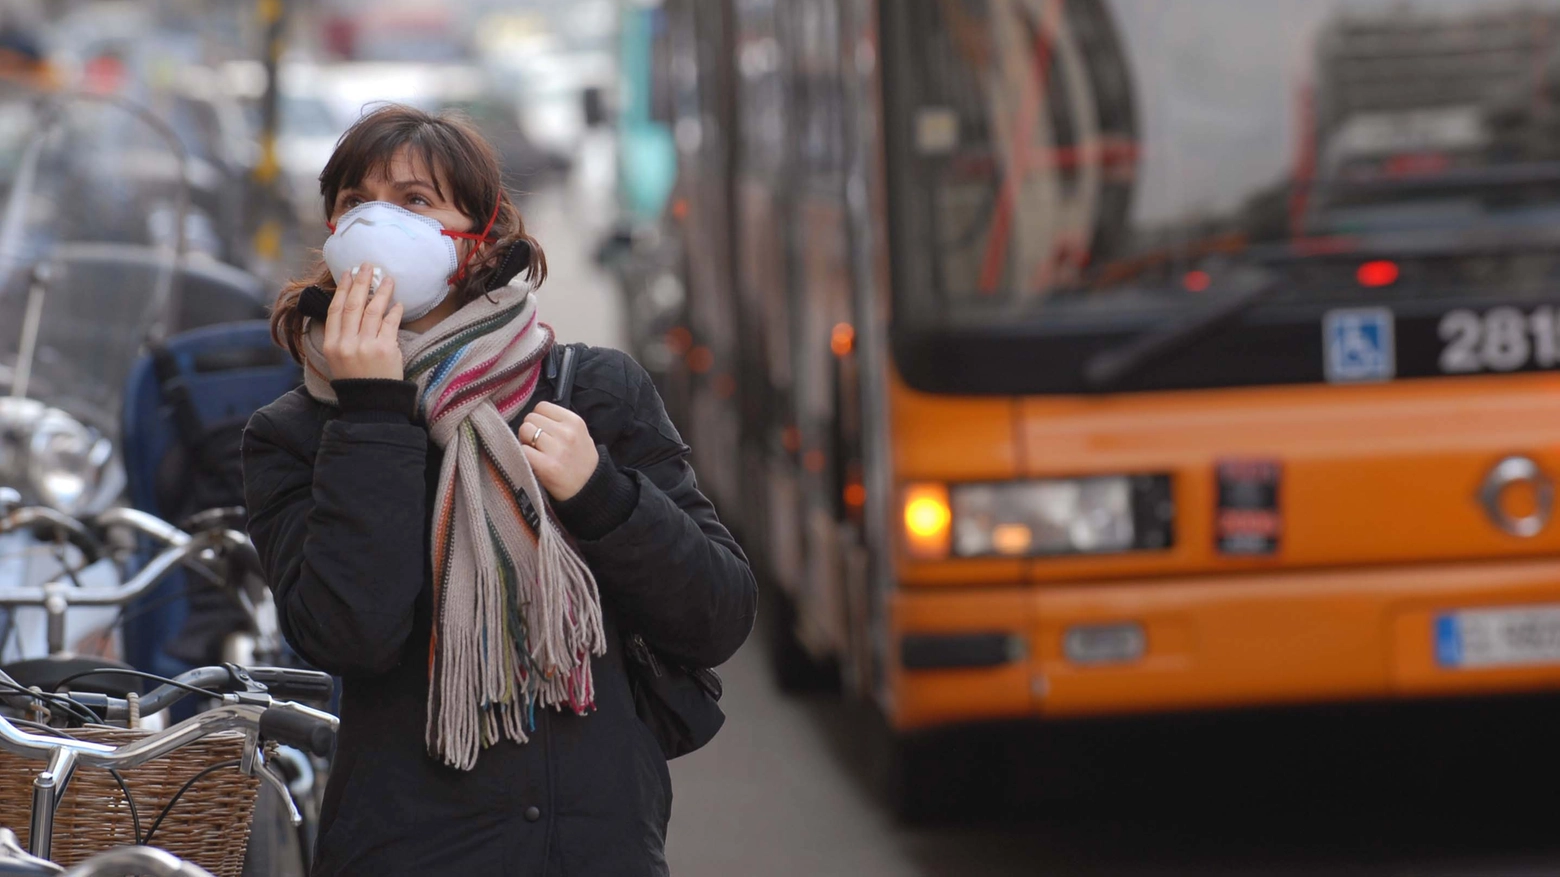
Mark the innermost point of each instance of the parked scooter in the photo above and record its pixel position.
(83, 295)
(78, 300)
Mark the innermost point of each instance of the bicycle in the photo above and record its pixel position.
(216, 549)
(92, 539)
(252, 710)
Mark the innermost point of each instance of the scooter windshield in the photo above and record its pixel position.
(89, 245)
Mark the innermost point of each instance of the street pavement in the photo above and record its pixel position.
(580, 299)
(785, 789)
(770, 797)
(1447, 790)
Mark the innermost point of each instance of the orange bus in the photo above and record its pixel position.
(1062, 358)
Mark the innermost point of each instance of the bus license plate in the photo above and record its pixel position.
(1498, 637)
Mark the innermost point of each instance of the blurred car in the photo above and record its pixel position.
(524, 161)
(551, 85)
(308, 125)
(320, 102)
(350, 88)
(221, 138)
(307, 133)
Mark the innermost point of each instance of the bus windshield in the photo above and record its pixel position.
(1052, 160)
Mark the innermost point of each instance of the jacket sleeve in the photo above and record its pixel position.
(670, 569)
(341, 537)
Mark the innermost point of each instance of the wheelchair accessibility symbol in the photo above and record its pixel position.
(1358, 345)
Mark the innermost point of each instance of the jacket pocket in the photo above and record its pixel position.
(650, 755)
(330, 846)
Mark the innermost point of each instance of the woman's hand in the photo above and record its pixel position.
(360, 337)
(561, 451)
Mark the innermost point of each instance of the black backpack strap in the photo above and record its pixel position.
(565, 360)
(551, 366)
(562, 361)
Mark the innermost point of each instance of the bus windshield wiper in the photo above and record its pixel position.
(1108, 368)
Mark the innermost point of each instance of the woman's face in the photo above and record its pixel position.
(408, 182)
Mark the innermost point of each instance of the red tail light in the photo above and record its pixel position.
(1378, 274)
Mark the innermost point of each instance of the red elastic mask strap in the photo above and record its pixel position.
(479, 238)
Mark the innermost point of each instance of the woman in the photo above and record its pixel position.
(487, 726)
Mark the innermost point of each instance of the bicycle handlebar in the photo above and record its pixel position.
(149, 524)
(283, 683)
(74, 531)
(180, 550)
(298, 730)
(290, 683)
(237, 712)
(80, 534)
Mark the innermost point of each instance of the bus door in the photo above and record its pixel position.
(677, 48)
(827, 403)
(703, 131)
(767, 522)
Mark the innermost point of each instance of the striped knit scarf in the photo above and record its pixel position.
(516, 612)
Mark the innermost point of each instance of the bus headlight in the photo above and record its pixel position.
(1094, 515)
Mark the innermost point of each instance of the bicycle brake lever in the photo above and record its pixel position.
(281, 788)
(264, 772)
(251, 756)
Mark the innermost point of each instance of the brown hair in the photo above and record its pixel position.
(453, 150)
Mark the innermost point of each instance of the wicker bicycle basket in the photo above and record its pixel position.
(209, 825)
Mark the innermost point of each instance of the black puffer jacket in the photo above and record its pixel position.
(340, 502)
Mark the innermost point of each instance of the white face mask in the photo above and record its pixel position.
(413, 249)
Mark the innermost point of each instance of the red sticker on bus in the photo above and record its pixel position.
(1247, 521)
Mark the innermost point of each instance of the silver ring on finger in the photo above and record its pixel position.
(536, 437)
